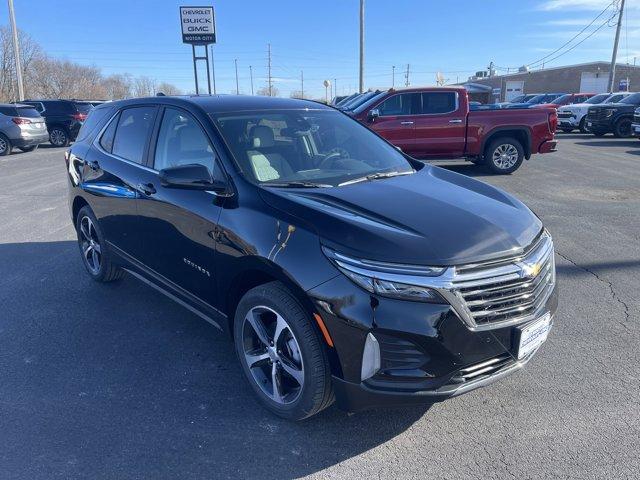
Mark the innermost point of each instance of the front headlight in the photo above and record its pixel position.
(388, 279)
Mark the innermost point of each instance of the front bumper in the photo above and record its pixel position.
(425, 348)
(598, 126)
(635, 129)
(568, 121)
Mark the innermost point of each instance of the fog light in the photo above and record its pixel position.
(370, 357)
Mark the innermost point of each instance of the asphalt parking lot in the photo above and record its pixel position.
(116, 381)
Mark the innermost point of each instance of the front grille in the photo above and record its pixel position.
(636, 118)
(596, 113)
(507, 290)
(565, 114)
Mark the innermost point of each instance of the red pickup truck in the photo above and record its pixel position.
(436, 122)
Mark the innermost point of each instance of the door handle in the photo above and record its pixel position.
(456, 120)
(147, 188)
(406, 123)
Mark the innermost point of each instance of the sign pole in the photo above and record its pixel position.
(195, 68)
(198, 29)
(206, 54)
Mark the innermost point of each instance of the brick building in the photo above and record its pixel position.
(584, 77)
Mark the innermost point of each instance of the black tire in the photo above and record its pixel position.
(316, 392)
(508, 144)
(622, 128)
(5, 145)
(30, 148)
(567, 130)
(106, 270)
(59, 137)
(583, 125)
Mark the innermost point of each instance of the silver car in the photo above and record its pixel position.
(21, 126)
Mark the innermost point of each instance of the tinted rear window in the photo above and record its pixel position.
(29, 112)
(10, 111)
(438, 102)
(132, 133)
(96, 116)
(83, 107)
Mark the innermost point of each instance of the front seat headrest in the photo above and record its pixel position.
(262, 137)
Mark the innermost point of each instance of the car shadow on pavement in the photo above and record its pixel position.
(115, 380)
(611, 142)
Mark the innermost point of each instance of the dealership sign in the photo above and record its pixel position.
(198, 25)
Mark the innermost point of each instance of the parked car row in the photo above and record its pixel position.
(574, 116)
(27, 124)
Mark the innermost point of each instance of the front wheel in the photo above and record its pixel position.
(583, 125)
(504, 155)
(5, 145)
(58, 137)
(95, 256)
(281, 353)
(622, 128)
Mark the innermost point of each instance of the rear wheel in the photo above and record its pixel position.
(95, 255)
(622, 128)
(59, 137)
(5, 145)
(504, 155)
(281, 353)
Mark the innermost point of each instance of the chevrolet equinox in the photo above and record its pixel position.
(341, 268)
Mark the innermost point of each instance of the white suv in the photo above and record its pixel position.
(573, 116)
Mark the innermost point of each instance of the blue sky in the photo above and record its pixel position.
(142, 37)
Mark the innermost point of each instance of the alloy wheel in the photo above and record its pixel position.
(58, 137)
(90, 245)
(272, 355)
(3, 145)
(505, 156)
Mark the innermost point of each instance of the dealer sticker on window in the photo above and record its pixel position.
(533, 335)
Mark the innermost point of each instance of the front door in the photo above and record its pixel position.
(440, 128)
(178, 226)
(396, 120)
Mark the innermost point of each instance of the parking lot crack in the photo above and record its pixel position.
(609, 284)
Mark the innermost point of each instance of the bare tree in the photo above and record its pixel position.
(29, 52)
(168, 89)
(144, 87)
(117, 86)
(265, 91)
(296, 94)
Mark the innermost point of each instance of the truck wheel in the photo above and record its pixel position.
(59, 137)
(583, 125)
(622, 128)
(281, 353)
(504, 155)
(5, 145)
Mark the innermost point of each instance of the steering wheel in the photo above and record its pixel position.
(330, 158)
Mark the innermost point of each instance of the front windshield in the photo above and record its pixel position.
(306, 147)
(536, 99)
(360, 100)
(633, 99)
(601, 97)
(519, 99)
(561, 99)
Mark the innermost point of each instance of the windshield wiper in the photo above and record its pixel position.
(375, 176)
(296, 184)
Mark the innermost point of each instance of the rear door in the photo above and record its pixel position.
(396, 121)
(441, 126)
(178, 225)
(112, 172)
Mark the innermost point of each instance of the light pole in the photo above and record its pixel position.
(361, 46)
(16, 51)
(251, 75)
(612, 70)
(237, 87)
(393, 76)
(327, 84)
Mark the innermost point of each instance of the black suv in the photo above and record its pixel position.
(613, 118)
(339, 267)
(63, 117)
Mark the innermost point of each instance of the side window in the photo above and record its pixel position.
(181, 141)
(95, 117)
(438, 102)
(106, 141)
(401, 104)
(132, 133)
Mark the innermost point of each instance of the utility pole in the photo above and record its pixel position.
(251, 75)
(612, 70)
(302, 83)
(213, 70)
(269, 72)
(16, 51)
(361, 46)
(393, 76)
(406, 77)
(235, 60)
(335, 87)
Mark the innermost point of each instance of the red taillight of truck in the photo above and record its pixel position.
(553, 121)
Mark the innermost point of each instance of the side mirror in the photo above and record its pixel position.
(192, 176)
(373, 114)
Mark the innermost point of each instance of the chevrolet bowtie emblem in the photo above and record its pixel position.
(530, 269)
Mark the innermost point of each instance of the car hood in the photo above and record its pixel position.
(433, 217)
(576, 107)
(628, 106)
